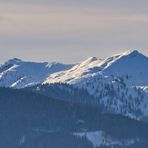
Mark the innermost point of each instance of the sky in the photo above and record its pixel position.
(70, 31)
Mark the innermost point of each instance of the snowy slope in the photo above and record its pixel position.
(78, 73)
(120, 82)
(100, 138)
(133, 65)
(17, 73)
(130, 64)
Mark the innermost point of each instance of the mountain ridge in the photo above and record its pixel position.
(103, 66)
(119, 82)
(18, 74)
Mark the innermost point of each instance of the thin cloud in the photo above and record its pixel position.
(45, 20)
(84, 27)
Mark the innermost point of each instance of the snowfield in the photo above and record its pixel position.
(98, 138)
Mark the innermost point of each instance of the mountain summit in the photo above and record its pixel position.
(17, 73)
(127, 64)
(132, 64)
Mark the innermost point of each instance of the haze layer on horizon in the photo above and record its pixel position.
(70, 31)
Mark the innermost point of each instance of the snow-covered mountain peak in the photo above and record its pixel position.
(132, 63)
(76, 73)
(89, 63)
(128, 53)
(91, 59)
(17, 73)
(133, 54)
(13, 61)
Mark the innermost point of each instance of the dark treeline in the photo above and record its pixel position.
(64, 92)
(31, 120)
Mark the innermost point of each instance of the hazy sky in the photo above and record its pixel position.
(71, 30)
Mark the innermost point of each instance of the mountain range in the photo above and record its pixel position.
(131, 64)
(97, 103)
(119, 83)
(19, 74)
